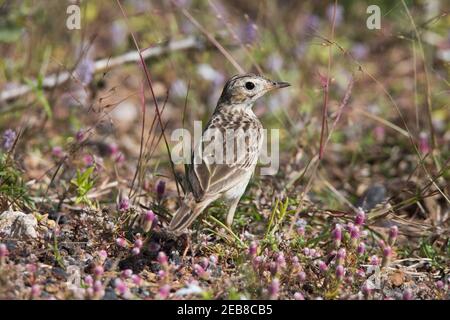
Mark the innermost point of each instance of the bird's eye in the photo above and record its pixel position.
(249, 85)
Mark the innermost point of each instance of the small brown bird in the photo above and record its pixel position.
(223, 168)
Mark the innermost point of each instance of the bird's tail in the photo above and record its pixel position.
(186, 215)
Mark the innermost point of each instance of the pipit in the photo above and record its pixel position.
(222, 168)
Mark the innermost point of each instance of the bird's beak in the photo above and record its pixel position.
(280, 84)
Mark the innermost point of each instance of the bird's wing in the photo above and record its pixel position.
(210, 177)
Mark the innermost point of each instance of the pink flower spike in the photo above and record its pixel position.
(121, 242)
(298, 296)
(136, 279)
(424, 145)
(302, 276)
(127, 273)
(162, 258)
(3, 250)
(149, 216)
(407, 294)
(120, 286)
(138, 243)
(374, 260)
(98, 271)
(393, 234)
(387, 251)
(361, 249)
(164, 291)
(103, 254)
(340, 272)
(253, 248)
(337, 235)
(323, 266)
(88, 280)
(35, 291)
(274, 288)
(360, 217)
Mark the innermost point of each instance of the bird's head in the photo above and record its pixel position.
(245, 89)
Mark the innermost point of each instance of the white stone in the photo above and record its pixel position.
(17, 224)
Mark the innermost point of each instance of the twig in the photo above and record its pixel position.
(101, 65)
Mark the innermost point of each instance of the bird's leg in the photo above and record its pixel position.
(231, 211)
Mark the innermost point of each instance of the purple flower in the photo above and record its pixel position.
(79, 136)
(281, 261)
(339, 15)
(88, 281)
(85, 70)
(88, 160)
(154, 246)
(248, 32)
(273, 267)
(306, 252)
(252, 250)
(179, 89)
(312, 23)
(275, 62)
(374, 260)
(360, 51)
(160, 189)
(9, 136)
(57, 152)
(124, 204)
(135, 251)
(440, 284)
(366, 290)
(360, 273)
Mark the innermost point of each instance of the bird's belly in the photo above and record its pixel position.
(238, 190)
